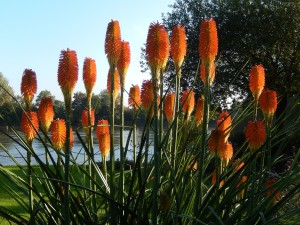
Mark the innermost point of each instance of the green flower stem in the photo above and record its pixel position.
(134, 137)
(269, 149)
(29, 176)
(122, 151)
(161, 106)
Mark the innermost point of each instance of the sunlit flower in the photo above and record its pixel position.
(29, 125)
(102, 127)
(58, 134)
(271, 181)
(178, 45)
(211, 75)
(85, 120)
(208, 41)
(89, 75)
(188, 102)
(116, 84)
(199, 111)
(216, 142)
(113, 42)
(28, 86)
(103, 137)
(147, 95)
(134, 99)
(226, 153)
(71, 140)
(157, 48)
(67, 72)
(46, 113)
(255, 134)
(214, 179)
(224, 123)
(257, 81)
(124, 61)
(268, 103)
(169, 106)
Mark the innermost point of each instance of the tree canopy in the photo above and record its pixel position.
(250, 33)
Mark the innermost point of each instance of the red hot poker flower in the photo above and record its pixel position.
(226, 153)
(147, 95)
(67, 72)
(102, 127)
(134, 99)
(216, 142)
(199, 111)
(224, 123)
(257, 81)
(28, 86)
(103, 137)
(116, 84)
(89, 75)
(85, 119)
(211, 75)
(46, 113)
(268, 103)
(124, 61)
(178, 45)
(157, 48)
(255, 134)
(169, 106)
(113, 42)
(27, 127)
(188, 101)
(58, 134)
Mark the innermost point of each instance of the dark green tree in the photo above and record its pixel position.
(43, 94)
(250, 33)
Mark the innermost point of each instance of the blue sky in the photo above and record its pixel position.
(34, 32)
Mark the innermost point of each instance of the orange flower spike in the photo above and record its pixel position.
(178, 46)
(124, 61)
(211, 76)
(102, 127)
(27, 127)
(199, 111)
(226, 153)
(216, 142)
(46, 113)
(268, 103)
(113, 42)
(224, 123)
(116, 84)
(28, 86)
(85, 119)
(147, 95)
(208, 41)
(104, 144)
(271, 190)
(169, 106)
(255, 134)
(89, 75)
(134, 99)
(58, 133)
(67, 72)
(188, 101)
(257, 81)
(157, 48)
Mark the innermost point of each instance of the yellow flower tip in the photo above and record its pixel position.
(188, 102)
(46, 113)
(67, 71)
(147, 95)
(123, 61)
(89, 75)
(255, 134)
(157, 48)
(224, 123)
(134, 99)
(113, 42)
(257, 81)
(29, 125)
(226, 153)
(116, 89)
(178, 45)
(28, 85)
(268, 103)
(169, 106)
(211, 72)
(199, 111)
(216, 142)
(58, 134)
(208, 41)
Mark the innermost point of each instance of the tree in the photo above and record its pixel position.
(250, 32)
(6, 91)
(43, 94)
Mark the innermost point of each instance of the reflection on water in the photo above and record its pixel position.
(14, 146)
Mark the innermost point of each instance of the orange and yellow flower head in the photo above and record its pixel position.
(216, 142)
(46, 113)
(67, 72)
(147, 95)
(211, 75)
(134, 99)
(169, 106)
(113, 42)
(199, 111)
(188, 102)
(102, 127)
(103, 137)
(157, 48)
(255, 134)
(85, 120)
(257, 81)
(124, 61)
(224, 123)
(28, 86)
(29, 125)
(178, 46)
(268, 103)
(89, 75)
(116, 89)
(58, 134)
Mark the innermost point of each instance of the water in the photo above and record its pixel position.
(20, 153)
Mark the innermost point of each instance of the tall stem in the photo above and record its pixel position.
(122, 151)
(161, 106)
(29, 175)
(134, 137)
